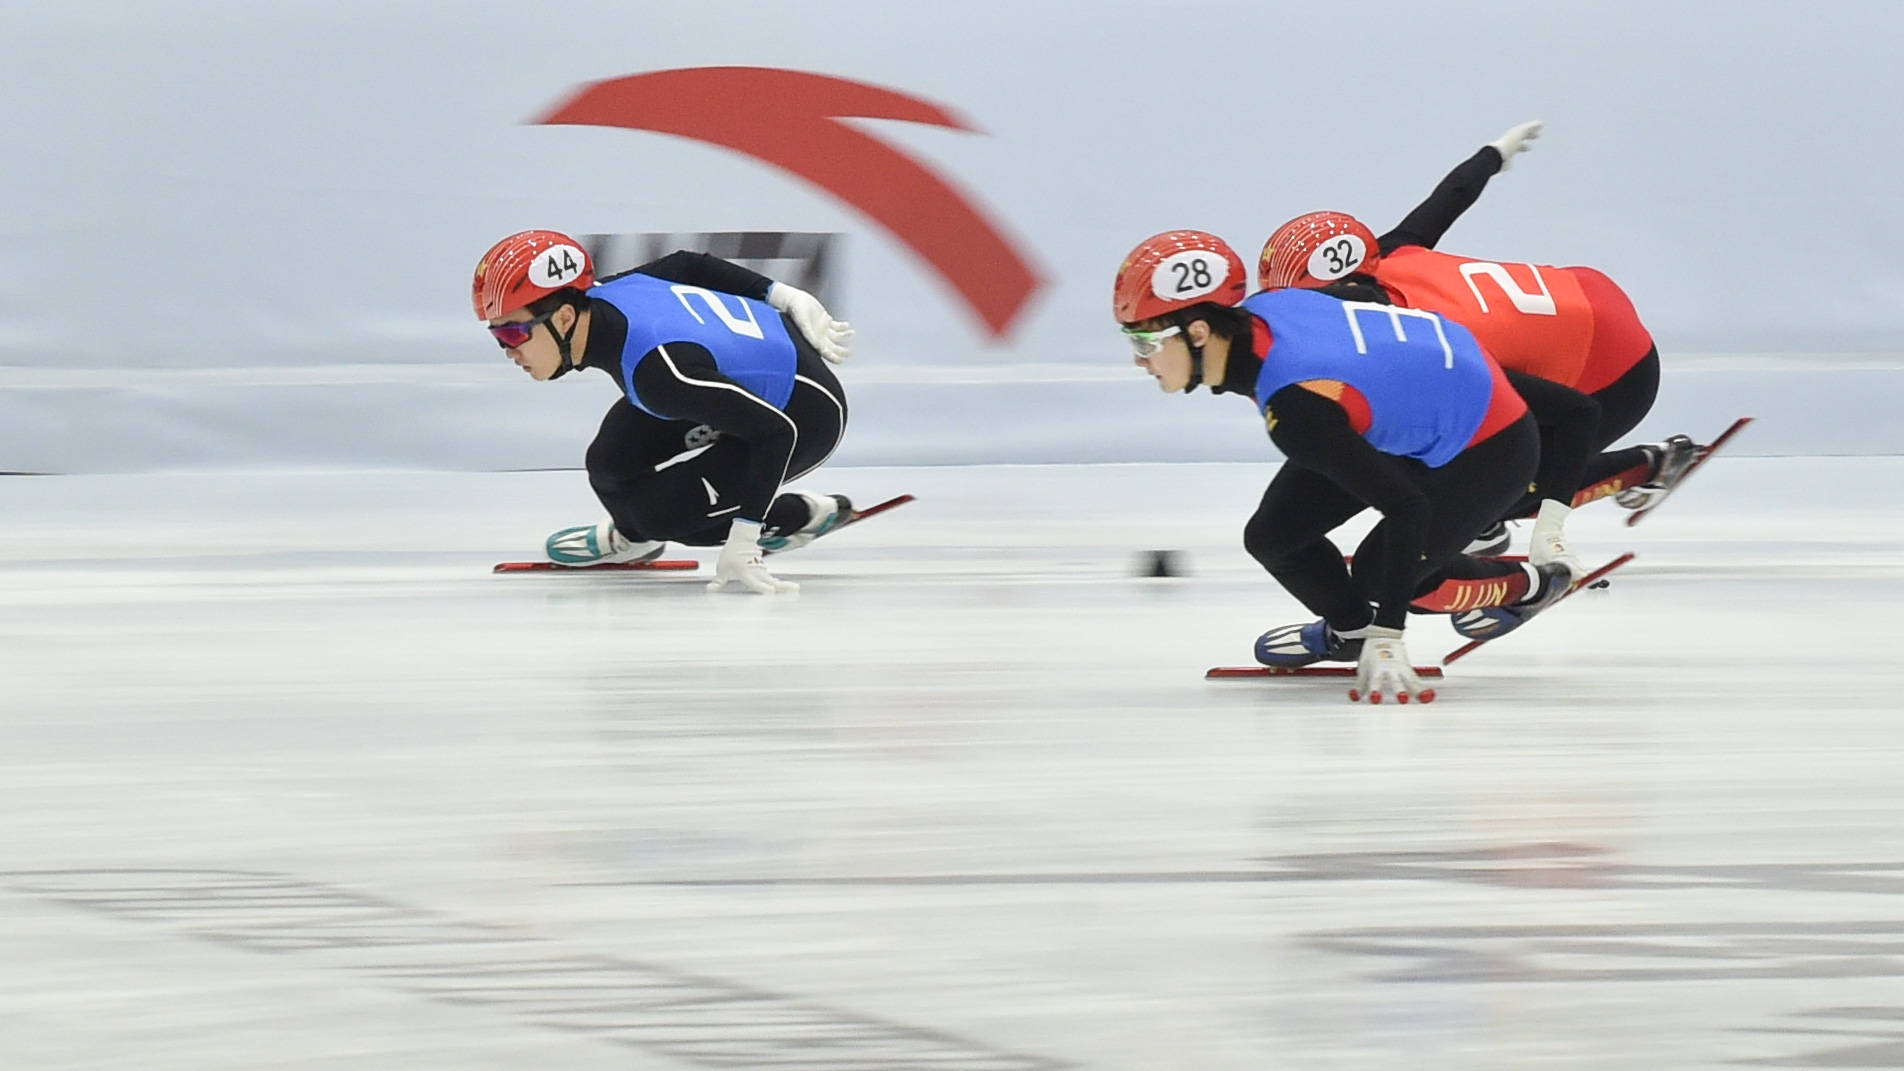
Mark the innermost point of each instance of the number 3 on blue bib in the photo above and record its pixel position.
(1380, 344)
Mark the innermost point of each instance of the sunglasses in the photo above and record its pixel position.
(1147, 343)
(511, 335)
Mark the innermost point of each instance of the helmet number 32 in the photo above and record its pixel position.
(1337, 257)
(1188, 274)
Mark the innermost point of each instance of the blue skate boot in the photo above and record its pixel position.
(1295, 646)
(1492, 622)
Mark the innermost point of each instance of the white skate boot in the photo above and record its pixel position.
(599, 544)
(825, 512)
(1670, 461)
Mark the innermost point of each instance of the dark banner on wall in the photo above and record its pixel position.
(808, 260)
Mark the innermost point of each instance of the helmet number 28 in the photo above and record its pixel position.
(1188, 274)
(1193, 276)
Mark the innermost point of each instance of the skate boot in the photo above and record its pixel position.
(1493, 540)
(824, 513)
(1490, 622)
(599, 544)
(1294, 646)
(1670, 461)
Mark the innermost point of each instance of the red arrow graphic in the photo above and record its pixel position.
(791, 119)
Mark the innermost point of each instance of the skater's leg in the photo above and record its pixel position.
(1289, 536)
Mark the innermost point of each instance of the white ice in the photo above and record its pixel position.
(289, 780)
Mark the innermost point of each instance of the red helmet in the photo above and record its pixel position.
(525, 267)
(1175, 270)
(1316, 250)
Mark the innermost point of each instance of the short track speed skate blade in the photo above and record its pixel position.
(659, 565)
(1228, 673)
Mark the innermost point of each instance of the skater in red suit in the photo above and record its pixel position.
(1572, 326)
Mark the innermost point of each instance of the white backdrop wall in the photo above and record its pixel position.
(241, 233)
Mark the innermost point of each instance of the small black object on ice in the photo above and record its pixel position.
(1160, 563)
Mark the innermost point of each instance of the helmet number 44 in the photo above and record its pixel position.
(556, 267)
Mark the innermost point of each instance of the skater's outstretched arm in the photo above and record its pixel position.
(1460, 189)
(832, 338)
(706, 270)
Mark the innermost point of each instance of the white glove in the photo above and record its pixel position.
(828, 335)
(1384, 669)
(1549, 543)
(1516, 141)
(740, 562)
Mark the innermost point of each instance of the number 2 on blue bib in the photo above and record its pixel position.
(748, 326)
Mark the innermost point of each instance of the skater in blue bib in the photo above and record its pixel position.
(728, 394)
(1375, 407)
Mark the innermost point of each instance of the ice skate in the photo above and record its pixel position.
(599, 544)
(1671, 459)
(1292, 646)
(1491, 622)
(825, 513)
(1492, 540)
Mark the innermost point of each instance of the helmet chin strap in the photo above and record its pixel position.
(562, 346)
(1196, 362)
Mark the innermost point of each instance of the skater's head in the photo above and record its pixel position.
(1188, 348)
(530, 290)
(1173, 298)
(1316, 249)
(541, 338)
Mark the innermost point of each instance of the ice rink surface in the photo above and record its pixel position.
(289, 780)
